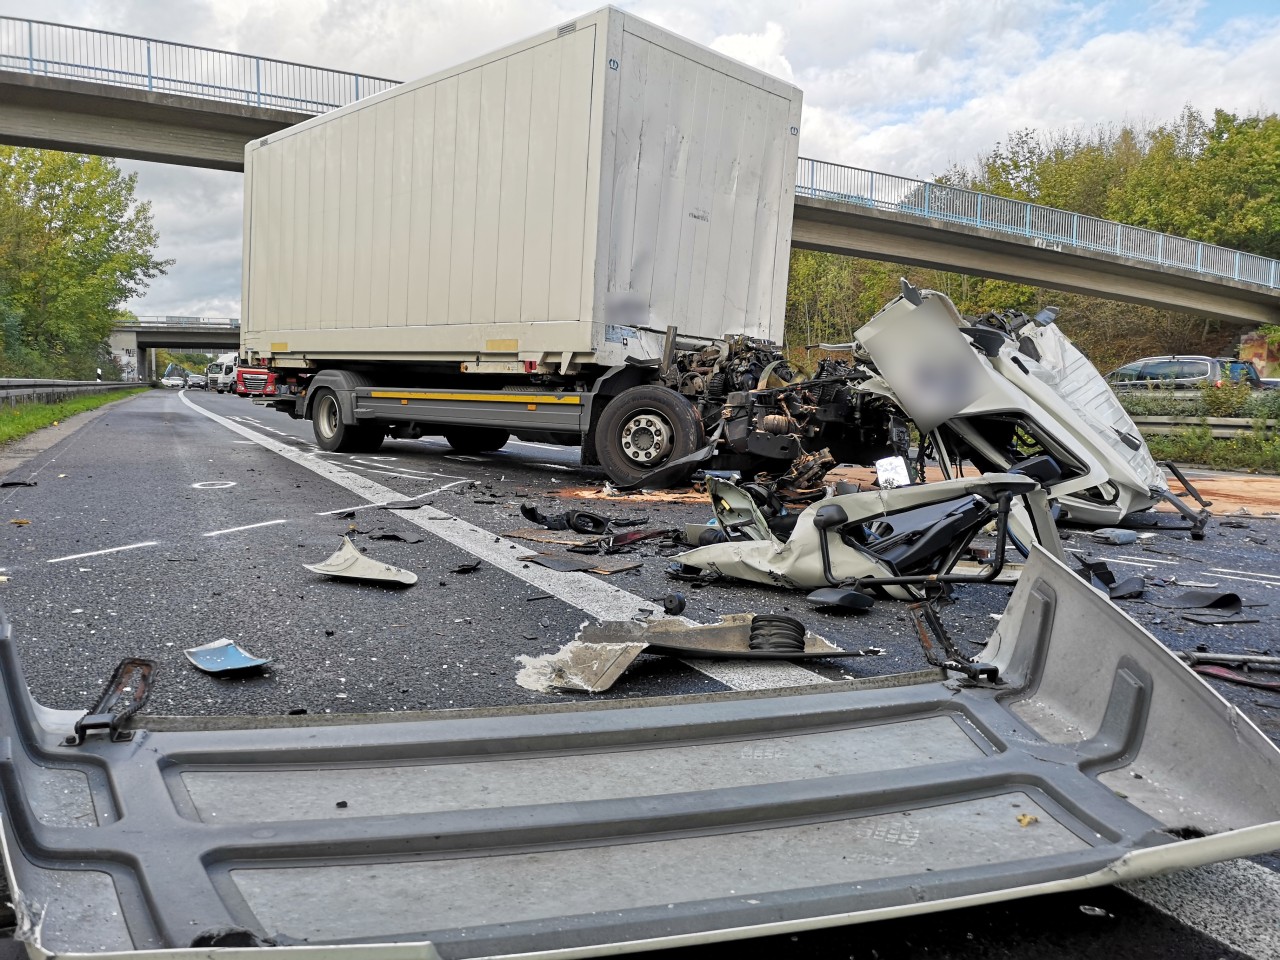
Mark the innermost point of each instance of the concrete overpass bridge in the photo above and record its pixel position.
(68, 88)
(133, 344)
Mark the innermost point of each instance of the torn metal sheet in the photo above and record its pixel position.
(224, 658)
(350, 564)
(601, 652)
(629, 826)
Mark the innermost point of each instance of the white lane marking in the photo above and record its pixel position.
(251, 526)
(1262, 583)
(1149, 562)
(1130, 563)
(1247, 573)
(371, 506)
(98, 553)
(1245, 921)
(600, 600)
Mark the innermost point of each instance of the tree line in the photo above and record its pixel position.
(1211, 179)
(75, 245)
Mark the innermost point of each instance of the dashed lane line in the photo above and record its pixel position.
(600, 600)
(99, 553)
(371, 506)
(250, 526)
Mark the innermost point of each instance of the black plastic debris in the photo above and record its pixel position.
(223, 658)
(1097, 573)
(17, 483)
(559, 563)
(465, 568)
(392, 535)
(579, 521)
(673, 604)
(1201, 600)
(841, 600)
(1208, 607)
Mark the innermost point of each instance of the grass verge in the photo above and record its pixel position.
(1255, 452)
(26, 418)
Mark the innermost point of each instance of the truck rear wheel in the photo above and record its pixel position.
(334, 435)
(643, 428)
(477, 439)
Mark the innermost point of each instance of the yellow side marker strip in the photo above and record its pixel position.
(526, 398)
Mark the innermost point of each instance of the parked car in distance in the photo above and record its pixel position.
(173, 383)
(1182, 373)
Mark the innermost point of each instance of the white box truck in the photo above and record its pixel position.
(581, 238)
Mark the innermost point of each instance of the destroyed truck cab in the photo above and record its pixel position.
(999, 389)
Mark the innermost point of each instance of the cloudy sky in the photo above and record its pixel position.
(904, 86)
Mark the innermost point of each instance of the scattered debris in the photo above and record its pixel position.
(380, 534)
(1094, 911)
(560, 564)
(1114, 536)
(579, 521)
(601, 652)
(1027, 819)
(673, 604)
(1099, 575)
(348, 563)
(565, 538)
(223, 658)
(930, 630)
(1240, 676)
(1200, 600)
(20, 523)
(124, 695)
(465, 568)
(18, 483)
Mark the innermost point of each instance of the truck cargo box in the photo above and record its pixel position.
(544, 203)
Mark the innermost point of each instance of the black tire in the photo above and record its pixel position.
(477, 439)
(331, 433)
(643, 428)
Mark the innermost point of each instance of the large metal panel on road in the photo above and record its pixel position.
(583, 829)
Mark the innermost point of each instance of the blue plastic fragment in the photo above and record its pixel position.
(223, 657)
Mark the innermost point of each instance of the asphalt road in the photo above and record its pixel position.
(177, 519)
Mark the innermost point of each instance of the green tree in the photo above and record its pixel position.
(75, 244)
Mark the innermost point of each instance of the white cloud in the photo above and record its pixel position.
(902, 86)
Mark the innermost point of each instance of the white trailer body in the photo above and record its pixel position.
(550, 207)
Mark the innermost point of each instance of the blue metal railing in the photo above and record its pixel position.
(1045, 226)
(55, 50)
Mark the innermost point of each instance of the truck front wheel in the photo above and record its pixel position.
(334, 435)
(643, 428)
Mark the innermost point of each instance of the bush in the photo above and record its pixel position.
(1255, 452)
(1263, 405)
(1162, 403)
(1227, 400)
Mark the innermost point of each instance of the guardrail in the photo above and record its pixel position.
(1220, 428)
(15, 391)
(57, 50)
(1046, 226)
